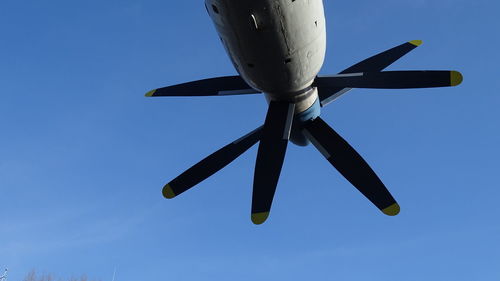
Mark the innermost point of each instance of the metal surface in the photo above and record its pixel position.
(278, 47)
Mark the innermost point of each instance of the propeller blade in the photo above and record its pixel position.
(220, 86)
(381, 61)
(351, 165)
(372, 64)
(270, 157)
(393, 79)
(211, 164)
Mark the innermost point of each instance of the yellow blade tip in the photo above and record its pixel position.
(260, 218)
(168, 192)
(456, 78)
(416, 42)
(150, 93)
(392, 210)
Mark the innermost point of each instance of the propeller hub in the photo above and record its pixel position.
(296, 135)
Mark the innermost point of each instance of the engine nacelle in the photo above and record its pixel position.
(278, 47)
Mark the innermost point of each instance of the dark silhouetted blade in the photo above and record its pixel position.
(220, 86)
(211, 164)
(272, 148)
(381, 61)
(393, 79)
(351, 165)
(372, 64)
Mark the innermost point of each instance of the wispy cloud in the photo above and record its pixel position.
(63, 230)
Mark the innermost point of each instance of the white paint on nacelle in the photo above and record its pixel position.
(277, 46)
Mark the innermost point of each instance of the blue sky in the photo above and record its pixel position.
(83, 155)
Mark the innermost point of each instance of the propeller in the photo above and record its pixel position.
(275, 132)
(350, 164)
(270, 156)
